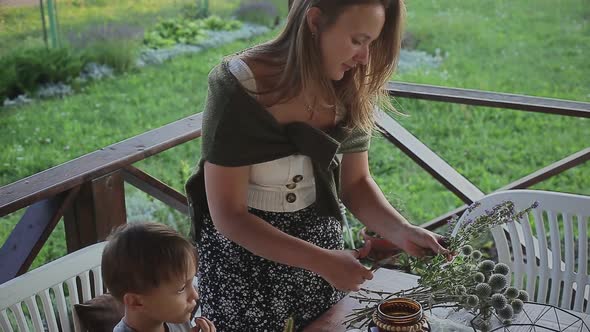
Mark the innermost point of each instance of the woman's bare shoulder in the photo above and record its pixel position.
(266, 77)
(259, 68)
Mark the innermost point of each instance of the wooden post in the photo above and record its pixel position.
(42, 9)
(99, 207)
(53, 30)
(30, 234)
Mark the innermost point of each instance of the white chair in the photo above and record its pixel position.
(20, 296)
(546, 250)
(38, 284)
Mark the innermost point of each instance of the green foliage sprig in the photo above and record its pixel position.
(465, 282)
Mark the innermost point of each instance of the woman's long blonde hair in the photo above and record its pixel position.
(296, 58)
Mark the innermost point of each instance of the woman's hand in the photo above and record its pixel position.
(418, 241)
(203, 325)
(342, 269)
(363, 197)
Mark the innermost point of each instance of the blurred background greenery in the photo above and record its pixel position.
(537, 48)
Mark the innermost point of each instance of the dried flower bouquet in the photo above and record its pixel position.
(466, 282)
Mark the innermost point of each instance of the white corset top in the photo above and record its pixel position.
(280, 185)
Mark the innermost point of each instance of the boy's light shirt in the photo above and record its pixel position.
(185, 327)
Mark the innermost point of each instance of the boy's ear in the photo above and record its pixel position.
(132, 301)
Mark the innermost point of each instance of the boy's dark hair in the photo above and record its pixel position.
(140, 256)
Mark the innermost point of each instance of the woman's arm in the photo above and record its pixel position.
(227, 190)
(366, 201)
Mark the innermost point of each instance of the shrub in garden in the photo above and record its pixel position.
(8, 85)
(119, 55)
(264, 13)
(195, 10)
(23, 70)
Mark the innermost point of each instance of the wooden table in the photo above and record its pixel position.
(391, 281)
(385, 280)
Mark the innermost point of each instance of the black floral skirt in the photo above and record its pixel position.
(240, 291)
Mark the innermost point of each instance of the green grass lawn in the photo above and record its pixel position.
(537, 48)
(505, 46)
(22, 25)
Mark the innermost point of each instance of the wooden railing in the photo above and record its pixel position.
(88, 192)
(447, 175)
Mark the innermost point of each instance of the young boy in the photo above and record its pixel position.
(149, 267)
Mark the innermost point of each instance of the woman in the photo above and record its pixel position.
(286, 131)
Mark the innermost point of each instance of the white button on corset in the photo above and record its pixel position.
(273, 185)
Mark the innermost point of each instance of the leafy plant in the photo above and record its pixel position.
(197, 9)
(25, 69)
(173, 31)
(118, 55)
(8, 80)
(185, 31)
(216, 23)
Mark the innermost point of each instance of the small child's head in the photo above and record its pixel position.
(149, 267)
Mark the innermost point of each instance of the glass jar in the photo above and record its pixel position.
(400, 315)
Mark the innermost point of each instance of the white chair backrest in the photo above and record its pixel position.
(546, 250)
(46, 285)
